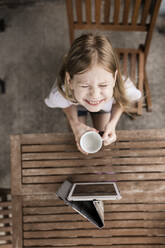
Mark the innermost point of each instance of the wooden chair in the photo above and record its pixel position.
(5, 219)
(136, 15)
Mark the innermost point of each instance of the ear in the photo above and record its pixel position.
(68, 79)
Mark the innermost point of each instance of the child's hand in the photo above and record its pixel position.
(79, 129)
(109, 135)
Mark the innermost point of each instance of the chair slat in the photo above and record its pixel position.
(116, 11)
(88, 12)
(5, 204)
(136, 12)
(146, 9)
(6, 229)
(5, 211)
(147, 93)
(151, 27)
(70, 19)
(79, 11)
(5, 219)
(125, 63)
(126, 11)
(133, 67)
(7, 245)
(140, 81)
(107, 5)
(5, 238)
(98, 11)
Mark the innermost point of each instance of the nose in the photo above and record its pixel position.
(94, 92)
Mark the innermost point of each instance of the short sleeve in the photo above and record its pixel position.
(108, 105)
(57, 100)
(132, 93)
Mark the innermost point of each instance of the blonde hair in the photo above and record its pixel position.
(86, 50)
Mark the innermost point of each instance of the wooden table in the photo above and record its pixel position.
(41, 162)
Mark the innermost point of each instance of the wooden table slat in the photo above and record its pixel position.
(55, 148)
(71, 217)
(94, 241)
(96, 233)
(92, 178)
(110, 224)
(113, 207)
(108, 246)
(110, 152)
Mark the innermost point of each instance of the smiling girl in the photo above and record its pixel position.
(90, 81)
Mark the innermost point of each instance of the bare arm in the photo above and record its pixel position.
(78, 127)
(71, 114)
(115, 114)
(109, 132)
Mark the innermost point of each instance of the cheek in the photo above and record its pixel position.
(108, 92)
(79, 93)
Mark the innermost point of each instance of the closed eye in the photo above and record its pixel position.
(84, 86)
(103, 85)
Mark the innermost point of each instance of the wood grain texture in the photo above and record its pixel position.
(136, 162)
(17, 221)
(15, 164)
(5, 219)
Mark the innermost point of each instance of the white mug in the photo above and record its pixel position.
(91, 142)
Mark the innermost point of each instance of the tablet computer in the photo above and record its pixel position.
(94, 191)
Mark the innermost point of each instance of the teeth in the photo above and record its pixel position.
(94, 102)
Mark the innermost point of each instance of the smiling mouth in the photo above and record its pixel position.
(94, 103)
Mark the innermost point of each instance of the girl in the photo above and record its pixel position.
(90, 81)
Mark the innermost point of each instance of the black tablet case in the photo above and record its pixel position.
(92, 210)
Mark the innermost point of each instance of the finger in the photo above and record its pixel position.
(105, 136)
(95, 130)
(81, 150)
(110, 140)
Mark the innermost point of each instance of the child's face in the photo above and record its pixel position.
(93, 88)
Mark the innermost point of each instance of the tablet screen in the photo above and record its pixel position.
(94, 190)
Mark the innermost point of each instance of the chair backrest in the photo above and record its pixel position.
(5, 219)
(116, 15)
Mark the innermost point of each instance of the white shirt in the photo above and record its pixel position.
(57, 100)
